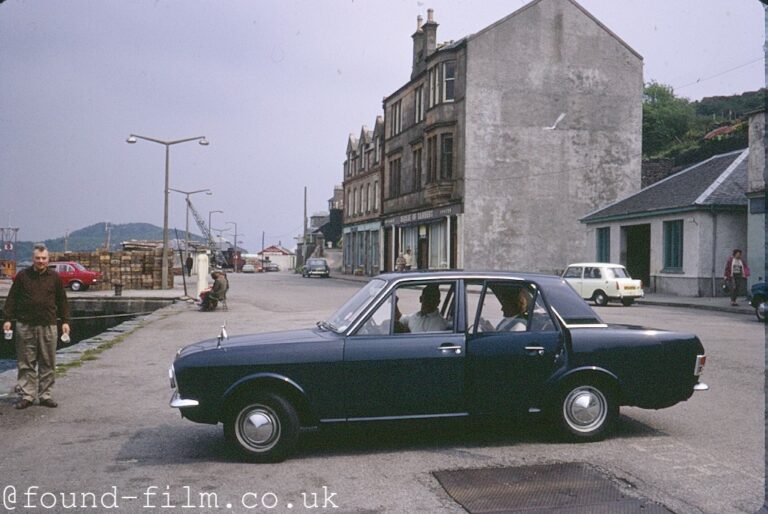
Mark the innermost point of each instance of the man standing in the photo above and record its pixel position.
(188, 264)
(36, 299)
(408, 259)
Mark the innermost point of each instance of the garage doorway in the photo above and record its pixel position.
(636, 251)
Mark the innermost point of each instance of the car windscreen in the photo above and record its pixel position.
(316, 262)
(348, 312)
(569, 304)
(78, 266)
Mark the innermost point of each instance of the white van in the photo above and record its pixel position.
(601, 282)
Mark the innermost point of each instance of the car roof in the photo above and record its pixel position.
(469, 274)
(596, 265)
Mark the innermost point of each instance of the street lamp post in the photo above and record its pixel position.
(131, 140)
(188, 194)
(234, 254)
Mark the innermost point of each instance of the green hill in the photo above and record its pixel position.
(94, 237)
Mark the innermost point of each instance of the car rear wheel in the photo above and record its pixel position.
(600, 298)
(626, 302)
(587, 410)
(75, 285)
(263, 428)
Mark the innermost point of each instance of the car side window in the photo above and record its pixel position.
(505, 307)
(380, 322)
(541, 320)
(426, 307)
(573, 272)
(592, 273)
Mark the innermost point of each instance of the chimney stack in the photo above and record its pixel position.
(418, 48)
(430, 33)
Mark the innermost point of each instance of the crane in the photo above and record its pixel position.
(218, 255)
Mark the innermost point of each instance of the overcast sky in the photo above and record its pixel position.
(275, 86)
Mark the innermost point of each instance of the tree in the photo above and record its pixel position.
(666, 118)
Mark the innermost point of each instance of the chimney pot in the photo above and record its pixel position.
(430, 12)
(419, 21)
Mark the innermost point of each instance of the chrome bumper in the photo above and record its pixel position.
(178, 402)
(701, 386)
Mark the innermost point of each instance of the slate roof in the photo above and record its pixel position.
(719, 182)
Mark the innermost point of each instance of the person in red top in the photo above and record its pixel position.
(736, 274)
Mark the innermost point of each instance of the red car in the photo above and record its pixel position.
(74, 275)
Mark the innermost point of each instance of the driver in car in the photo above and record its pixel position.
(428, 319)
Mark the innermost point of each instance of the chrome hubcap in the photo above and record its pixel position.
(258, 427)
(761, 310)
(585, 408)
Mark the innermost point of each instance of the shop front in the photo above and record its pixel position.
(431, 235)
(361, 249)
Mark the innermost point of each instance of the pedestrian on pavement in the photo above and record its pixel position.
(400, 263)
(736, 274)
(408, 259)
(36, 298)
(189, 262)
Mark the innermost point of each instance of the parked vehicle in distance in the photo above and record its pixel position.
(493, 344)
(248, 268)
(74, 275)
(316, 267)
(271, 266)
(602, 282)
(757, 295)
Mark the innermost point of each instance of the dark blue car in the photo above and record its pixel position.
(435, 345)
(758, 295)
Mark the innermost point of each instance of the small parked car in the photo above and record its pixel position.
(602, 282)
(379, 358)
(757, 296)
(248, 268)
(316, 267)
(271, 266)
(74, 275)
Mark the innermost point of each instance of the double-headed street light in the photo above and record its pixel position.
(131, 140)
(188, 194)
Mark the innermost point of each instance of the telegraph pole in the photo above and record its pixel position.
(304, 245)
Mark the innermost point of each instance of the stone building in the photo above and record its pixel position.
(756, 228)
(502, 140)
(362, 200)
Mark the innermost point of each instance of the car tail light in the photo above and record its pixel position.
(701, 360)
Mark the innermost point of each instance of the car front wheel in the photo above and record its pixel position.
(75, 285)
(263, 428)
(760, 311)
(600, 298)
(587, 411)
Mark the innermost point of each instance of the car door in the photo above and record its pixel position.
(507, 370)
(573, 275)
(593, 281)
(395, 373)
(66, 272)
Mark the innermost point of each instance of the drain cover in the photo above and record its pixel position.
(568, 488)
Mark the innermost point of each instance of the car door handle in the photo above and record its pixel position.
(539, 350)
(448, 347)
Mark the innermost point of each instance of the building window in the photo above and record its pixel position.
(417, 169)
(604, 244)
(431, 159)
(367, 200)
(419, 104)
(394, 178)
(349, 202)
(355, 200)
(395, 119)
(673, 245)
(377, 145)
(376, 196)
(434, 87)
(446, 156)
(449, 80)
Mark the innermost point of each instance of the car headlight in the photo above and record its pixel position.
(172, 377)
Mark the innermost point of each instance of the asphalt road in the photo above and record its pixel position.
(114, 435)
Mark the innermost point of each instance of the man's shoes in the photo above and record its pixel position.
(48, 402)
(23, 404)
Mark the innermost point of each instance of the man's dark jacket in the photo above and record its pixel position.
(37, 298)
